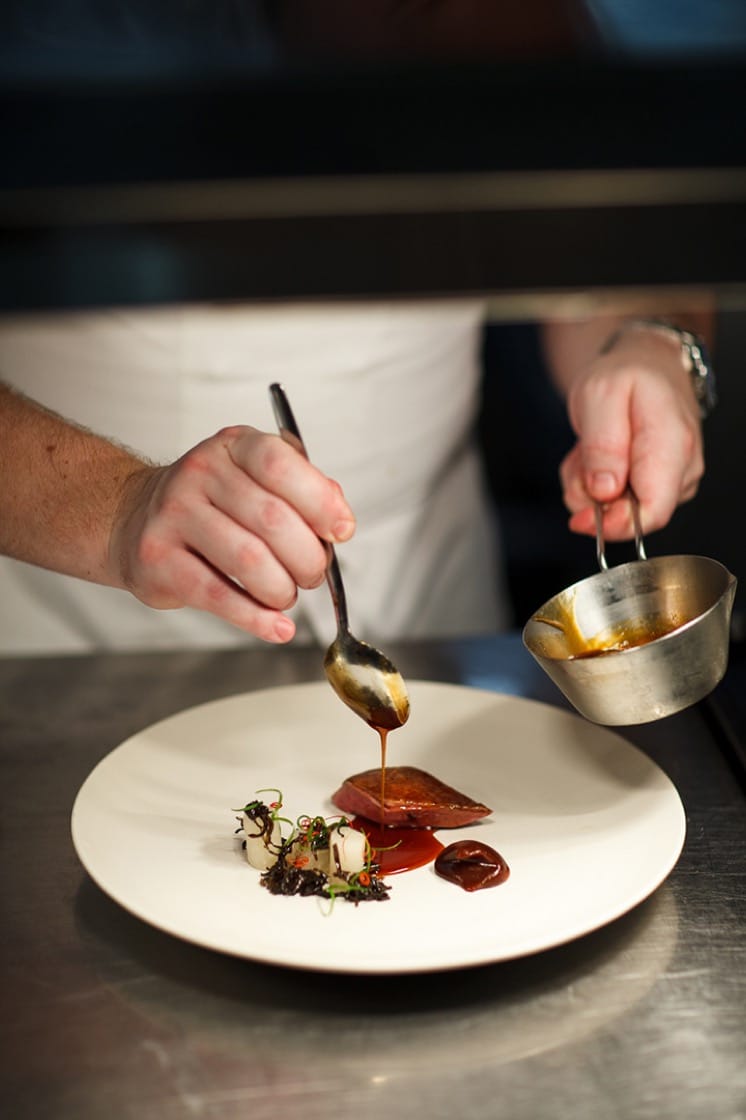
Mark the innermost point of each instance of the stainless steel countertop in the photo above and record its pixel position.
(107, 1017)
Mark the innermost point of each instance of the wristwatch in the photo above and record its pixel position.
(694, 354)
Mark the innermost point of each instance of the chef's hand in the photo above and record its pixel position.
(233, 528)
(637, 420)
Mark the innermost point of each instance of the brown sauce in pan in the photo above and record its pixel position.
(628, 637)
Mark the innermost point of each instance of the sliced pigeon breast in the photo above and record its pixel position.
(412, 798)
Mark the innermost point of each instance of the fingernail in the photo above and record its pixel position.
(343, 530)
(603, 485)
(284, 629)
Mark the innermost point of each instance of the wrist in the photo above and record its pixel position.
(692, 354)
(127, 516)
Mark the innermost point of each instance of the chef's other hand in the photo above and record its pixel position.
(637, 423)
(233, 527)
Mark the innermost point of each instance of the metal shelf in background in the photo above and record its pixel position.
(539, 178)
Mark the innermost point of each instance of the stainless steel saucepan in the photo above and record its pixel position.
(638, 641)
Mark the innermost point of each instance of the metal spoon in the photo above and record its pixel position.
(361, 675)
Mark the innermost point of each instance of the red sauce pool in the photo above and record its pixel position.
(399, 849)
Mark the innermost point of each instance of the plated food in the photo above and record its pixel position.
(394, 815)
(589, 824)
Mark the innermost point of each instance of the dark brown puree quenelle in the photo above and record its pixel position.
(472, 865)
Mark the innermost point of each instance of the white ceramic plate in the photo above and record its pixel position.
(587, 823)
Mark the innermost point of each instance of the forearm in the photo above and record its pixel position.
(60, 490)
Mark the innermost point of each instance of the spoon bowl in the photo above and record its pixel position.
(365, 680)
(362, 677)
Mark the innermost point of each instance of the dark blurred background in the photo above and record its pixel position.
(98, 93)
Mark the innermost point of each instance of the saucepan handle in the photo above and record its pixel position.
(639, 543)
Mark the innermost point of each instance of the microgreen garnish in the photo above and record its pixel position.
(300, 863)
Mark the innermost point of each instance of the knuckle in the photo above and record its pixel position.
(273, 458)
(215, 591)
(197, 460)
(160, 585)
(250, 555)
(271, 515)
(152, 550)
(230, 433)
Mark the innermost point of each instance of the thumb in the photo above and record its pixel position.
(602, 481)
(604, 430)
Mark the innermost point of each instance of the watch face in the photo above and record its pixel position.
(703, 378)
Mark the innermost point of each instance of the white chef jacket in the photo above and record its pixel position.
(386, 397)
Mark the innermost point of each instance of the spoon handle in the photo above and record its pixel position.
(290, 432)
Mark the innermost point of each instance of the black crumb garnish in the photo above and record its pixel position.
(284, 877)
